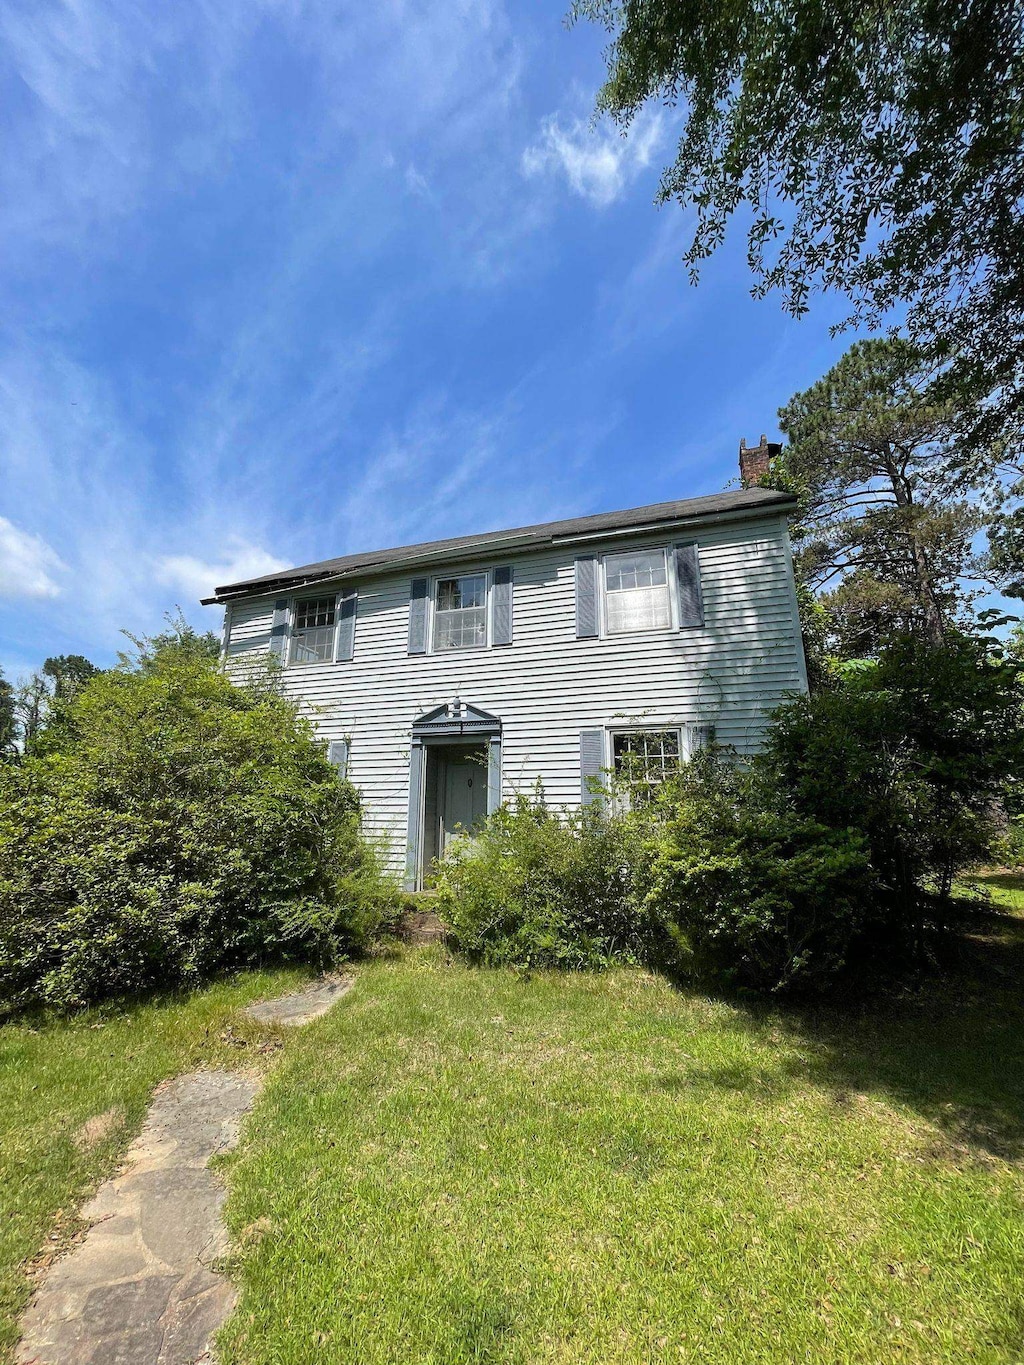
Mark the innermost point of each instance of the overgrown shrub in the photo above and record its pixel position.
(836, 848)
(915, 750)
(748, 891)
(173, 824)
(537, 888)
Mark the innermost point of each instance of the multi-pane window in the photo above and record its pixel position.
(636, 592)
(644, 758)
(313, 630)
(460, 612)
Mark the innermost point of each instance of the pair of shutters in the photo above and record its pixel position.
(685, 560)
(345, 627)
(592, 774)
(500, 603)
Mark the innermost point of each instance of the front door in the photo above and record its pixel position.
(464, 797)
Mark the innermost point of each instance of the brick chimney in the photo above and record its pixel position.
(754, 460)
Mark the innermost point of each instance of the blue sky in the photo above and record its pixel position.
(284, 280)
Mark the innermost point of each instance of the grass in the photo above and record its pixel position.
(458, 1165)
(73, 1093)
(1004, 887)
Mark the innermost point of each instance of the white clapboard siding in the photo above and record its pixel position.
(547, 685)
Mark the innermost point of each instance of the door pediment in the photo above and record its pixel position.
(456, 718)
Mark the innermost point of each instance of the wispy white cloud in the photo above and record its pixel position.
(28, 566)
(598, 161)
(198, 577)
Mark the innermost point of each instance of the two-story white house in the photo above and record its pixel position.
(448, 675)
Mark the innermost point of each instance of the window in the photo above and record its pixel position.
(644, 758)
(460, 612)
(636, 592)
(313, 631)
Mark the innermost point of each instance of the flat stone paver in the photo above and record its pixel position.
(303, 1006)
(140, 1290)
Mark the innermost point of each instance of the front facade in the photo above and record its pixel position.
(448, 676)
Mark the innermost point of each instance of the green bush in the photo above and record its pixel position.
(1008, 849)
(536, 888)
(749, 892)
(171, 825)
(836, 849)
(914, 750)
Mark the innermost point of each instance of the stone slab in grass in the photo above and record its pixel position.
(302, 1006)
(142, 1288)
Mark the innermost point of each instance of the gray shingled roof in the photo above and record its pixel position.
(733, 503)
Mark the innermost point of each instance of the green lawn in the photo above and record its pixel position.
(1005, 888)
(458, 1165)
(56, 1076)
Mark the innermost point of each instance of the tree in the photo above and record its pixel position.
(31, 705)
(178, 638)
(873, 459)
(875, 149)
(8, 720)
(68, 674)
(1005, 560)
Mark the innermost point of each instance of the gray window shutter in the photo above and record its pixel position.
(691, 601)
(225, 639)
(587, 607)
(418, 616)
(501, 606)
(701, 736)
(337, 753)
(279, 630)
(493, 776)
(412, 855)
(591, 763)
(345, 642)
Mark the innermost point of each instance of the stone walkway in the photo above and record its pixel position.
(141, 1288)
(309, 1003)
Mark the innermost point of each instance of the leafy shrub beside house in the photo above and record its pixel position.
(748, 890)
(171, 825)
(541, 889)
(834, 850)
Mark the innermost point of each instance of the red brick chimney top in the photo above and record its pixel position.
(754, 460)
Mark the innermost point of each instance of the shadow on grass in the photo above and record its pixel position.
(951, 1047)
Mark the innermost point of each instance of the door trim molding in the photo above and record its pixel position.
(454, 722)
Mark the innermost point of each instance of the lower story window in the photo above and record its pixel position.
(313, 631)
(644, 758)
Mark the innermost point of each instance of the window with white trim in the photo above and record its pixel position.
(644, 758)
(460, 612)
(313, 629)
(636, 592)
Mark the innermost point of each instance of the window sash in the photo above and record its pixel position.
(647, 757)
(637, 592)
(314, 624)
(460, 612)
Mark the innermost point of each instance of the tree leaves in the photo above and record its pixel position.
(875, 149)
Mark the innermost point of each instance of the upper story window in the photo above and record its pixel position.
(460, 612)
(313, 628)
(636, 592)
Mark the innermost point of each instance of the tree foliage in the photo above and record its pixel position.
(68, 673)
(874, 149)
(884, 530)
(8, 720)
